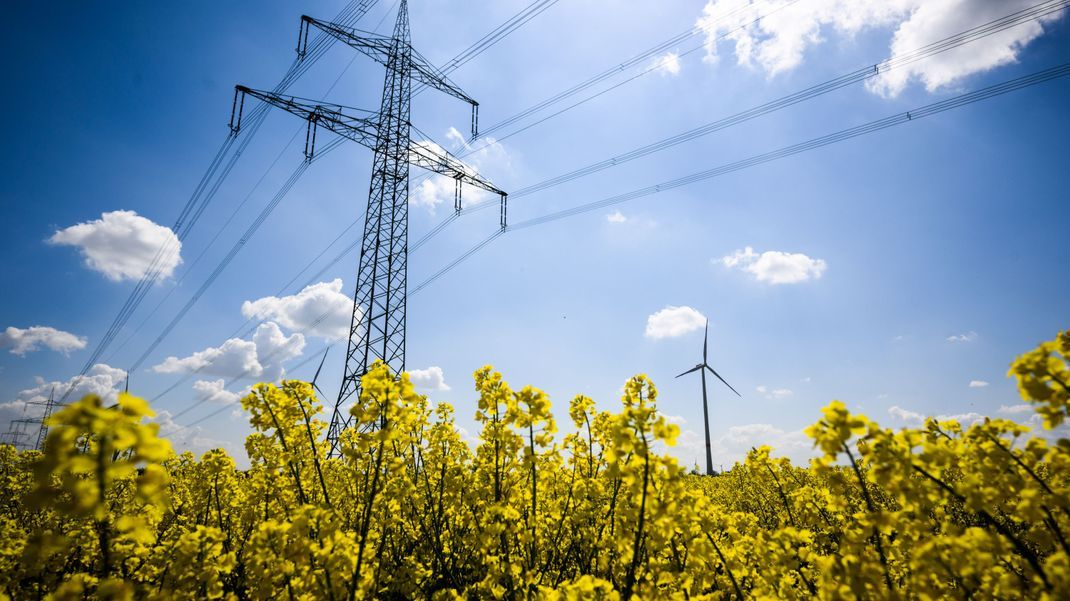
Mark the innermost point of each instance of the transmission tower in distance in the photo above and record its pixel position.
(377, 328)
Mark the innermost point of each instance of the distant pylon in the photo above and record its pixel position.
(42, 430)
(377, 327)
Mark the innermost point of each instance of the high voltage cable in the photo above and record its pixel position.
(925, 111)
(202, 419)
(317, 48)
(205, 250)
(859, 75)
(236, 248)
(474, 50)
(631, 62)
(854, 77)
(613, 71)
(198, 200)
(249, 232)
(492, 37)
(815, 143)
(239, 376)
(328, 147)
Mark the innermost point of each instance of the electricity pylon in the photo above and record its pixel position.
(42, 430)
(705, 405)
(17, 433)
(377, 328)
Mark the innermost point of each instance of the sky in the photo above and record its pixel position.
(899, 271)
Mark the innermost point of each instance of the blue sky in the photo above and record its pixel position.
(889, 271)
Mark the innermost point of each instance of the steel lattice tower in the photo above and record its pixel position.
(377, 327)
(377, 330)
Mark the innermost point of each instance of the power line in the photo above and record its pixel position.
(850, 78)
(859, 75)
(934, 108)
(250, 231)
(481, 45)
(631, 62)
(492, 37)
(199, 199)
(241, 204)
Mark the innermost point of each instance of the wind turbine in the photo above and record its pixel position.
(705, 404)
(318, 369)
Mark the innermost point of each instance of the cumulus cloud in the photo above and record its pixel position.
(428, 379)
(967, 337)
(780, 40)
(102, 380)
(978, 383)
(122, 245)
(488, 157)
(616, 217)
(775, 393)
(1015, 409)
(913, 418)
(319, 310)
(671, 322)
(259, 358)
(214, 391)
(733, 445)
(668, 63)
(189, 439)
(22, 341)
(675, 419)
(774, 266)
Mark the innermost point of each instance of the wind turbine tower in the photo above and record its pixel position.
(701, 368)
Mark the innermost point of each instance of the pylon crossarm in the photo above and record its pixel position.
(378, 47)
(433, 158)
(329, 116)
(374, 46)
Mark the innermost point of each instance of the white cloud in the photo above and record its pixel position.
(978, 383)
(776, 393)
(935, 20)
(123, 245)
(101, 379)
(668, 63)
(189, 439)
(774, 266)
(967, 337)
(428, 379)
(260, 358)
(215, 391)
(671, 322)
(22, 341)
(488, 158)
(735, 444)
(233, 357)
(616, 217)
(780, 39)
(319, 310)
(913, 418)
(679, 420)
(1015, 409)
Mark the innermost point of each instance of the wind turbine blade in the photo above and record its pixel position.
(705, 341)
(696, 368)
(316, 377)
(722, 380)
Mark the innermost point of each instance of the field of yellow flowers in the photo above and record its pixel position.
(410, 510)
